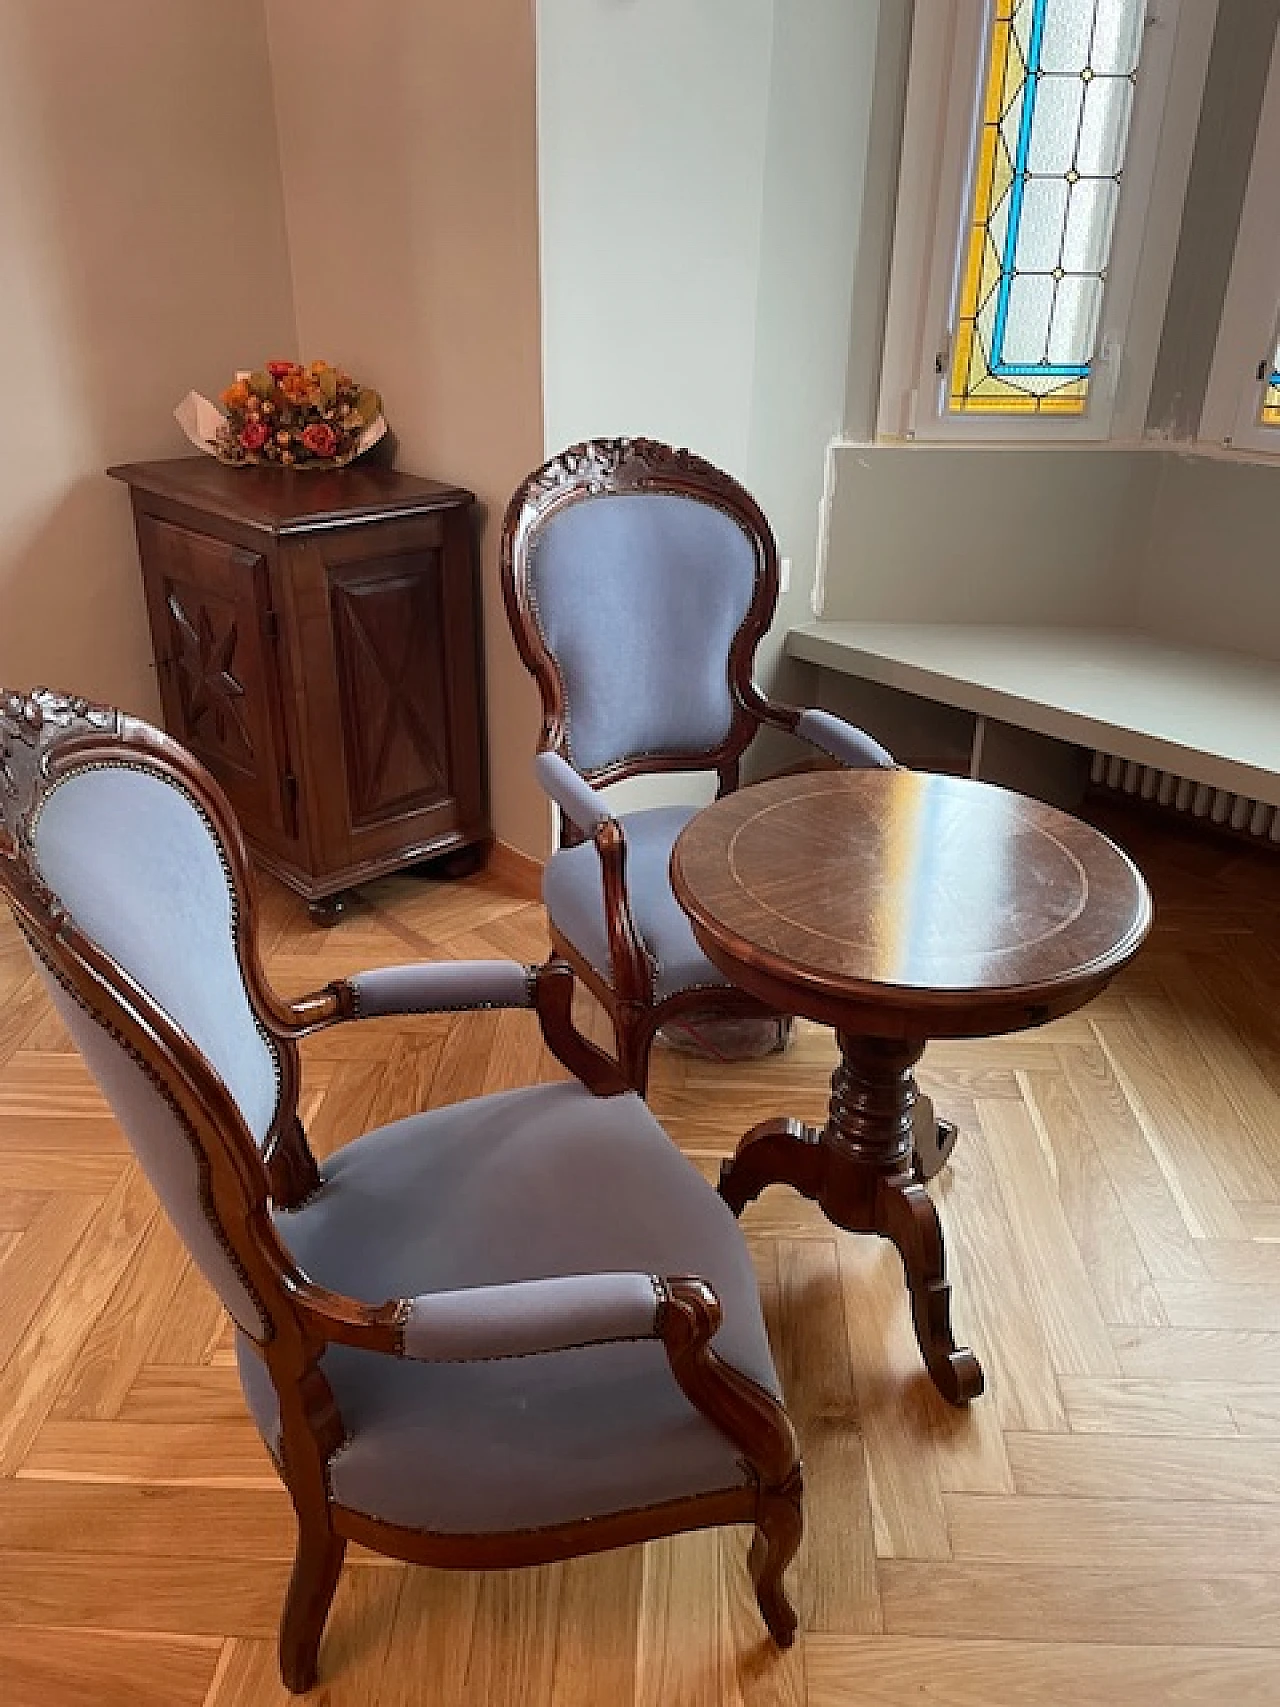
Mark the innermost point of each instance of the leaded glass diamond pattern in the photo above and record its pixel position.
(1051, 145)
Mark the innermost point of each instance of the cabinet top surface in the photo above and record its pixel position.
(285, 501)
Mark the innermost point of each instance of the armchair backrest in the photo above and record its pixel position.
(141, 870)
(639, 580)
(127, 877)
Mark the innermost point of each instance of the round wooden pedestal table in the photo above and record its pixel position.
(897, 907)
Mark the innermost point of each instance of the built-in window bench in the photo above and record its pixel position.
(1212, 717)
(1013, 610)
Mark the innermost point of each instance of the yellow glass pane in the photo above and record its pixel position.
(993, 175)
(1022, 403)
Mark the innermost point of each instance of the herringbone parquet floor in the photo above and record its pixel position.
(1102, 1528)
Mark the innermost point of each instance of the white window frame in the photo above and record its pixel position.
(944, 88)
(1251, 307)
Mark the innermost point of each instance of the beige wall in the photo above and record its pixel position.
(143, 254)
(408, 150)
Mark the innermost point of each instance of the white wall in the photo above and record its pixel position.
(651, 142)
(700, 185)
(143, 254)
(651, 128)
(1207, 572)
(925, 533)
(1177, 545)
(820, 100)
(700, 173)
(652, 122)
(408, 148)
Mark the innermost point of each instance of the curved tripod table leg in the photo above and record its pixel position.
(776, 1152)
(907, 1215)
(933, 1139)
(871, 1186)
(861, 1168)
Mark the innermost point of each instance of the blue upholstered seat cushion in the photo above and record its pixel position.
(539, 1182)
(573, 890)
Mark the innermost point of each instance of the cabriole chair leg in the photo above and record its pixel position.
(634, 1035)
(779, 1526)
(317, 1564)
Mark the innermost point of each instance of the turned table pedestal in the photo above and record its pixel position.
(897, 907)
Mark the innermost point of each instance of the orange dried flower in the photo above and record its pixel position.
(305, 414)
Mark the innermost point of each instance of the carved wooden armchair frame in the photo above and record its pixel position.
(617, 467)
(46, 738)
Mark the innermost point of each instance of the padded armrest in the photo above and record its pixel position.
(439, 986)
(530, 1316)
(840, 740)
(575, 797)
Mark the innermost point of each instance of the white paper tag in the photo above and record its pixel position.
(199, 420)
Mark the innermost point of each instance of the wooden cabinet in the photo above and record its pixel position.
(317, 638)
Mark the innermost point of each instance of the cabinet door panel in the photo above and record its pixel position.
(210, 609)
(389, 641)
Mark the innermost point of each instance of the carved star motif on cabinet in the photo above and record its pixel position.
(209, 685)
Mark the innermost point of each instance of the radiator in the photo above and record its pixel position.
(1180, 794)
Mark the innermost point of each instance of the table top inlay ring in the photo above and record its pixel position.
(912, 890)
(738, 855)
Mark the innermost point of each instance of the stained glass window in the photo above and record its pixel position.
(1051, 146)
(1269, 414)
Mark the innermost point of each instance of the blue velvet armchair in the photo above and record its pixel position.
(639, 580)
(497, 1333)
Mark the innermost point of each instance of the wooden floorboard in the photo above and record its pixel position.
(934, 1672)
(1102, 1529)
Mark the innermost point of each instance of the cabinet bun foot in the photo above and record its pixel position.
(329, 909)
(462, 862)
